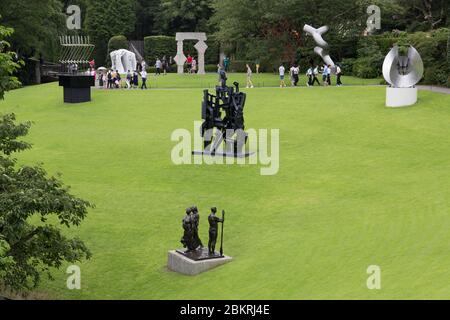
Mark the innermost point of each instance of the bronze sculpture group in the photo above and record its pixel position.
(191, 239)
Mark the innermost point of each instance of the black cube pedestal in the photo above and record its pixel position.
(77, 88)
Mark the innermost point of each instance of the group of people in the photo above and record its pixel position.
(294, 75)
(162, 65)
(192, 65)
(113, 80)
(312, 75)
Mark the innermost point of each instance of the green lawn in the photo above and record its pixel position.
(359, 184)
(260, 80)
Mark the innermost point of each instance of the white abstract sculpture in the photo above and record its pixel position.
(123, 60)
(201, 47)
(402, 73)
(322, 45)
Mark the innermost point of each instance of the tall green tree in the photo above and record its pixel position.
(107, 18)
(276, 27)
(37, 25)
(27, 249)
(148, 12)
(8, 62)
(425, 15)
(184, 16)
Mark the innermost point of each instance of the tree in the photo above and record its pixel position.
(276, 27)
(29, 249)
(37, 25)
(107, 18)
(8, 65)
(425, 15)
(147, 14)
(184, 16)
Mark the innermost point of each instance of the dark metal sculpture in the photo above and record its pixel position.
(191, 240)
(213, 231)
(224, 114)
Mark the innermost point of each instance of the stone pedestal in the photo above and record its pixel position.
(401, 97)
(182, 264)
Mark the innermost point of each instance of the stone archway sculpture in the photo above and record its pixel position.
(201, 47)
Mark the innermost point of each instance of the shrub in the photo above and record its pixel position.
(370, 59)
(159, 46)
(211, 68)
(213, 53)
(435, 75)
(116, 43)
(239, 66)
(347, 66)
(433, 47)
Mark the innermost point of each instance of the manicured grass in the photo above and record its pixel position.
(359, 184)
(260, 80)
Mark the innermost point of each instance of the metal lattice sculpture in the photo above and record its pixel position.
(403, 71)
(75, 50)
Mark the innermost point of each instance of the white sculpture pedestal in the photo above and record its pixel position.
(400, 97)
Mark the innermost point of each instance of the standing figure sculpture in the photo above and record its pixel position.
(213, 230)
(195, 220)
(190, 239)
(187, 239)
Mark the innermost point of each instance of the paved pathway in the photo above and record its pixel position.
(435, 89)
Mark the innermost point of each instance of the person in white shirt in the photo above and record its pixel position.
(158, 66)
(309, 74)
(325, 75)
(144, 79)
(282, 71)
(315, 74)
(295, 71)
(249, 77)
(338, 76)
(194, 66)
(291, 75)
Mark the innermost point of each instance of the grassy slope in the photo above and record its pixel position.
(359, 184)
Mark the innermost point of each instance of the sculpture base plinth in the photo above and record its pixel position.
(77, 88)
(401, 97)
(223, 154)
(183, 264)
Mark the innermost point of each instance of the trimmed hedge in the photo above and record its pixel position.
(158, 47)
(117, 42)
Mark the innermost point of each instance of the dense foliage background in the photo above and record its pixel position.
(266, 31)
